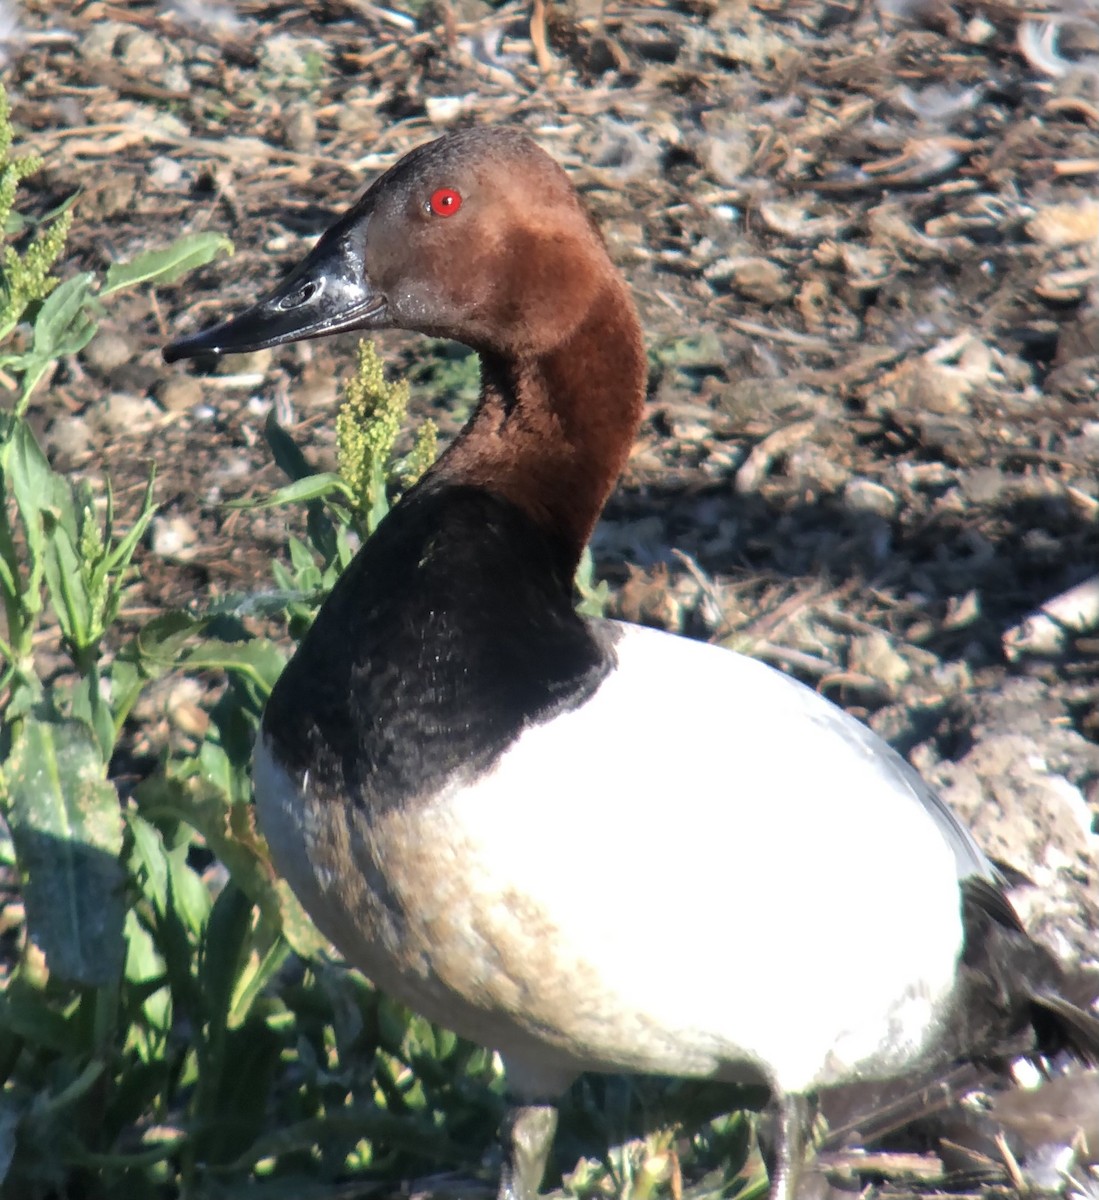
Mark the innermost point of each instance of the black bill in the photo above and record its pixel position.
(326, 293)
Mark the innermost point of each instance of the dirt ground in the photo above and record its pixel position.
(864, 239)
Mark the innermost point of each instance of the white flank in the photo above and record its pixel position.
(705, 869)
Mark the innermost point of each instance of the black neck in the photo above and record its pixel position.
(451, 631)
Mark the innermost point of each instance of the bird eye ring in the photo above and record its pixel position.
(445, 202)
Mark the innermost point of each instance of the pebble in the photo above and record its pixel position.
(299, 128)
(185, 710)
(866, 496)
(70, 437)
(983, 485)
(254, 362)
(164, 171)
(179, 393)
(978, 30)
(140, 51)
(99, 42)
(217, 18)
(755, 278)
(445, 110)
(106, 352)
(174, 77)
(124, 413)
(173, 537)
(358, 117)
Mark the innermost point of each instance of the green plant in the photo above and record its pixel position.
(64, 565)
(343, 507)
(172, 1025)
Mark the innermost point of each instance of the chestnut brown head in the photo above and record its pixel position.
(478, 236)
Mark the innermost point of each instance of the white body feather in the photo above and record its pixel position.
(706, 869)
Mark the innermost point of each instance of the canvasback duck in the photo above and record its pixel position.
(495, 808)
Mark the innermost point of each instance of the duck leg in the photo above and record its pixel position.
(527, 1134)
(787, 1149)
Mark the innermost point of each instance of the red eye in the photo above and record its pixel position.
(445, 202)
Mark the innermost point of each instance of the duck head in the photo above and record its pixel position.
(478, 236)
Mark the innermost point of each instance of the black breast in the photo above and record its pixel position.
(451, 631)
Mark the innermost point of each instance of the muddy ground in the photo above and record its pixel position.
(864, 240)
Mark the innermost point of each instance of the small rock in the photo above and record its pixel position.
(185, 710)
(139, 50)
(811, 468)
(98, 42)
(173, 537)
(445, 110)
(1066, 224)
(174, 77)
(299, 130)
(122, 413)
(962, 610)
(358, 117)
(255, 362)
(69, 437)
(216, 18)
(866, 496)
(978, 30)
(180, 392)
(755, 278)
(728, 146)
(165, 172)
(983, 485)
(107, 351)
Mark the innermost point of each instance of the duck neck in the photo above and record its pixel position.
(553, 429)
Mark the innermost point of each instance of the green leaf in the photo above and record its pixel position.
(67, 829)
(31, 483)
(233, 1110)
(144, 963)
(190, 897)
(65, 323)
(89, 706)
(67, 583)
(224, 952)
(259, 660)
(254, 977)
(126, 685)
(311, 487)
(24, 1013)
(158, 645)
(230, 832)
(269, 603)
(167, 265)
(149, 861)
(120, 555)
(286, 452)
